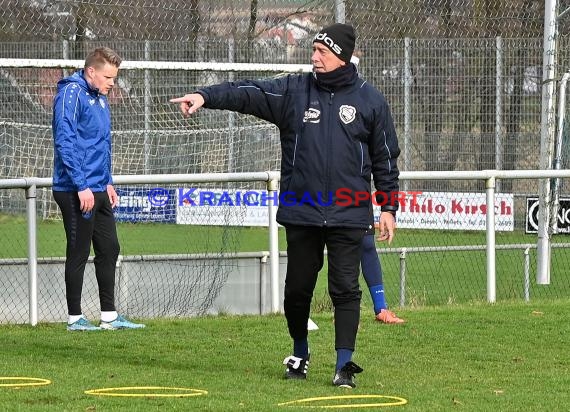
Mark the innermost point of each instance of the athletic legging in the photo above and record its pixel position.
(370, 261)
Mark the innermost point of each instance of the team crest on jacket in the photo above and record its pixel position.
(312, 115)
(347, 113)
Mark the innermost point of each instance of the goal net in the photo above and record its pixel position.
(150, 136)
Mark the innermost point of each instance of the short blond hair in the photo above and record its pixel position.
(101, 55)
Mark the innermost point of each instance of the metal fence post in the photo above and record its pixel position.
(403, 277)
(263, 283)
(526, 275)
(147, 110)
(231, 114)
(339, 11)
(547, 129)
(491, 269)
(558, 148)
(407, 108)
(31, 194)
(498, 106)
(272, 189)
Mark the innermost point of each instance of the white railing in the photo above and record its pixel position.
(32, 184)
(272, 181)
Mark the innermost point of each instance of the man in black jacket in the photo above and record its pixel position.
(336, 131)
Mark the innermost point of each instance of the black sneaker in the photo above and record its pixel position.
(296, 367)
(344, 377)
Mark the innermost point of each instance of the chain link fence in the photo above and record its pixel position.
(186, 20)
(463, 76)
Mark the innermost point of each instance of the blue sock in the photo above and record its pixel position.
(378, 299)
(301, 348)
(342, 357)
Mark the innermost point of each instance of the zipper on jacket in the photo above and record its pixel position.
(295, 148)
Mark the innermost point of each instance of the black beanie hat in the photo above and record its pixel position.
(339, 38)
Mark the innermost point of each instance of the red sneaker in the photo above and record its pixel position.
(387, 316)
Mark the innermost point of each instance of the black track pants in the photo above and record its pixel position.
(305, 247)
(98, 227)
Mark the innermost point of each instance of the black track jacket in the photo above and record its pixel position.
(331, 143)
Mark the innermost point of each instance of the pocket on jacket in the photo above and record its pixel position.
(365, 166)
(289, 186)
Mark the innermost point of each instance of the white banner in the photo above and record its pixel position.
(453, 211)
(221, 207)
(418, 210)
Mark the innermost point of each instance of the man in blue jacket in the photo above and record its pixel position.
(83, 186)
(335, 130)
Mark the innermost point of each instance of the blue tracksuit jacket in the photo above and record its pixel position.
(81, 127)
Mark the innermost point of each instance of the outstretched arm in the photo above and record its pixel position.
(189, 103)
(266, 99)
